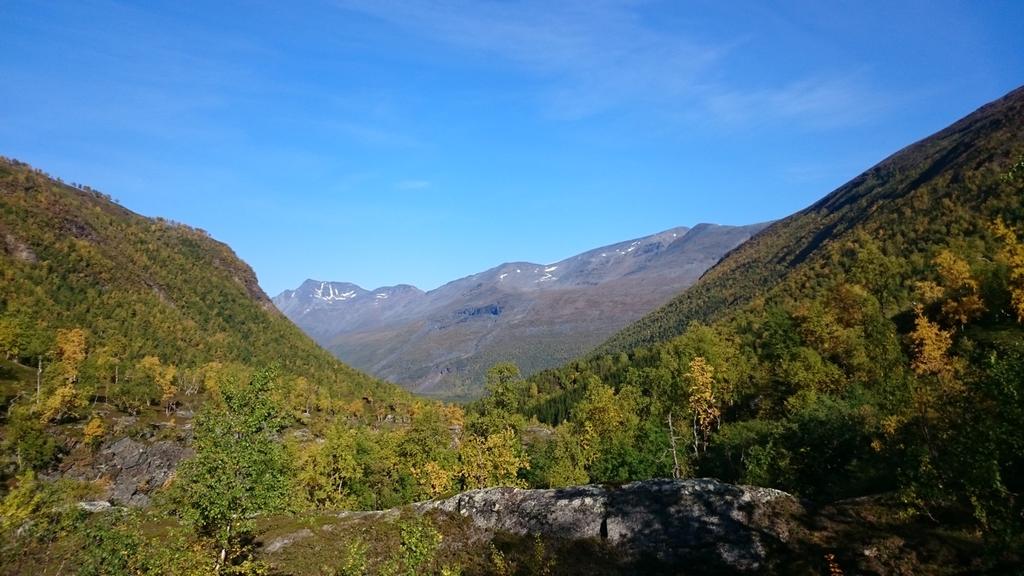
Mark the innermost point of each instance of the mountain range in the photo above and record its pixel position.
(441, 342)
(865, 355)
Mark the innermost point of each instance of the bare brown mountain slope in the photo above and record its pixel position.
(441, 342)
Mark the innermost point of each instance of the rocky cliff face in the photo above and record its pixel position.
(130, 470)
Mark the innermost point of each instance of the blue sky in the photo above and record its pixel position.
(381, 142)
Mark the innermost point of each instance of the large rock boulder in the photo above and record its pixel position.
(665, 522)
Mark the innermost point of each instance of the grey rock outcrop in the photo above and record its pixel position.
(285, 541)
(132, 468)
(664, 521)
(95, 506)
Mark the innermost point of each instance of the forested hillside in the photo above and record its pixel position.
(137, 287)
(141, 362)
(897, 212)
(871, 343)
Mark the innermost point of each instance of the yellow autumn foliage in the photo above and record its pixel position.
(94, 431)
(1012, 255)
(703, 404)
(65, 402)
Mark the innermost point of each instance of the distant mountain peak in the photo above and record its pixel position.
(331, 292)
(538, 315)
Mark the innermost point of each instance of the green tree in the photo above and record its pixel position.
(326, 470)
(426, 448)
(239, 468)
(503, 383)
(160, 377)
(9, 338)
(494, 460)
(500, 408)
(25, 439)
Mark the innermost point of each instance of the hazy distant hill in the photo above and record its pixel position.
(441, 342)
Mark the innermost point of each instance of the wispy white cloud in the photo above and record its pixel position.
(593, 55)
(816, 102)
(596, 55)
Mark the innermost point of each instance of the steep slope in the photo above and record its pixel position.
(913, 187)
(117, 330)
(441, 342)
(871, 343)
(70, 257)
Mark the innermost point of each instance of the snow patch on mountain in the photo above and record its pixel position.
(328, 293)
